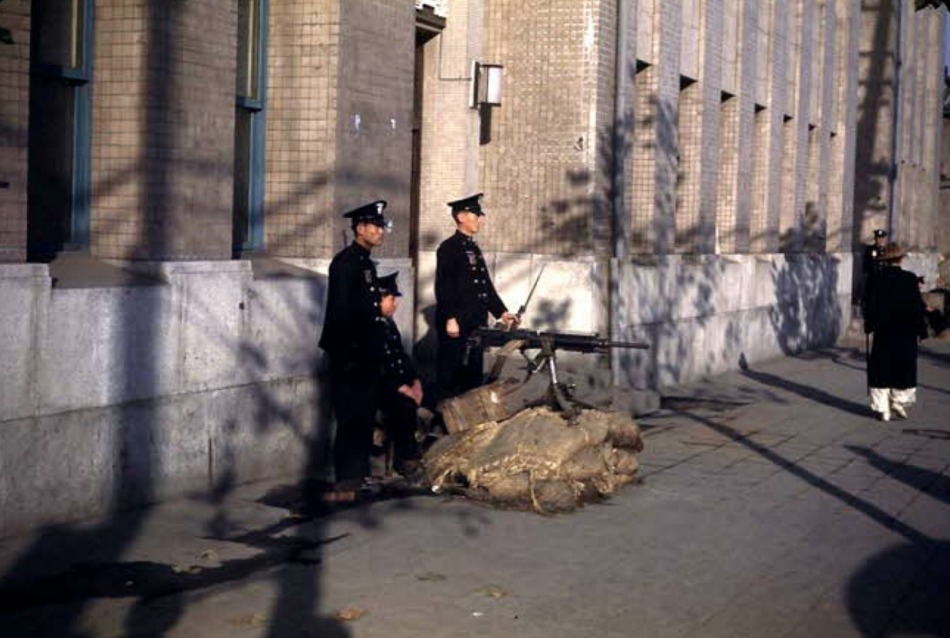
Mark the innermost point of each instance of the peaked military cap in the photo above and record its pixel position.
(471, 204)
(387, 285)
(371, 213)
(880, 233)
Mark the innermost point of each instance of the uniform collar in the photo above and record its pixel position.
(360, 249)
(463, 237)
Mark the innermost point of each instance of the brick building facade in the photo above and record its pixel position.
(172, 174)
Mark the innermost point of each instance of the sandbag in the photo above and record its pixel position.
(539, 460)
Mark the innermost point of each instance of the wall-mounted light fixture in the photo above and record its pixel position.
(486, 85)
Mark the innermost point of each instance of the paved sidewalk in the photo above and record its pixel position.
(772, 505)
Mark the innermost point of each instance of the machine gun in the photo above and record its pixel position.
(547, 343)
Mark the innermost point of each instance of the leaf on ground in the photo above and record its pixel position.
(248, 620)
(433, 576)
(492, 591)
(178, 568)
(350, 613)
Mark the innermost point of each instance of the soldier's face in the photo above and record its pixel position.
(469, 223)
(370, 235)
(387, 305)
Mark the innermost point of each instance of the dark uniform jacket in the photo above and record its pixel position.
(350, 330)
(463, 289)
(895, 316)
(870, 261)
(397, 369)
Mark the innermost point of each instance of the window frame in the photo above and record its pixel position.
(78, 80)
(250, 238)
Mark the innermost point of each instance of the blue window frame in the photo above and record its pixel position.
(60, 127)
(249, 135)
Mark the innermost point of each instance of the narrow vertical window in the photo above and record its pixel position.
(249, 127)
(60, 127)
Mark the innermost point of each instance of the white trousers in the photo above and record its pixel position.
(883, 398)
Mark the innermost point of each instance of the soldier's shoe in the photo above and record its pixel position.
(899, 410)
(340, 493)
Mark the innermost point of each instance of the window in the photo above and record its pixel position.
(60, 126)
(249, 127)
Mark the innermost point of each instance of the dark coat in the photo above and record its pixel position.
(871, 263)
(351, 339)
(350, 330)
(895, 316)
(463, 288)
(397, 368)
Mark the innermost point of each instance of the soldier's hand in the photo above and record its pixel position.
(413, 391)
(406, 391)
(452, 328)
(511, 320)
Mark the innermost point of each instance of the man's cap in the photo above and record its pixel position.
(387, 285)
(892, 252)
(880, 233)
(371, 213)
(470, 204)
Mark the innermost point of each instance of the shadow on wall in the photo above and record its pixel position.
(806, 312)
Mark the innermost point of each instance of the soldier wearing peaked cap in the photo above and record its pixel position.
(352, 340)
(401, 392)
(871, 261)
(464, 296)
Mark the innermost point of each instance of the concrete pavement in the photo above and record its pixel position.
(772, 505)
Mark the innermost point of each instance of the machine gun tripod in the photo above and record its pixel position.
(559, 394)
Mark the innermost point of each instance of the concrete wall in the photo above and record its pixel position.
(700, 314)
(119, 396)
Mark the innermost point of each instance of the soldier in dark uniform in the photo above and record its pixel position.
(871, 265)
(352, 340)
(401, 392)
(464, 295)
(871, 261)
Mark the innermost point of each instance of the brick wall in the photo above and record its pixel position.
(943, 211)
(303, 60)
(374, 108)
(542, 167)
(163, 129)
(874, 115)
(916, 189)
(14, 120)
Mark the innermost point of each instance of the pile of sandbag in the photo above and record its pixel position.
(538, 459)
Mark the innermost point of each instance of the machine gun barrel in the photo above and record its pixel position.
(570, 341)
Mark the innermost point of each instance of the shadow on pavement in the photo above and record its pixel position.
(903, 591)
(808, 392)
